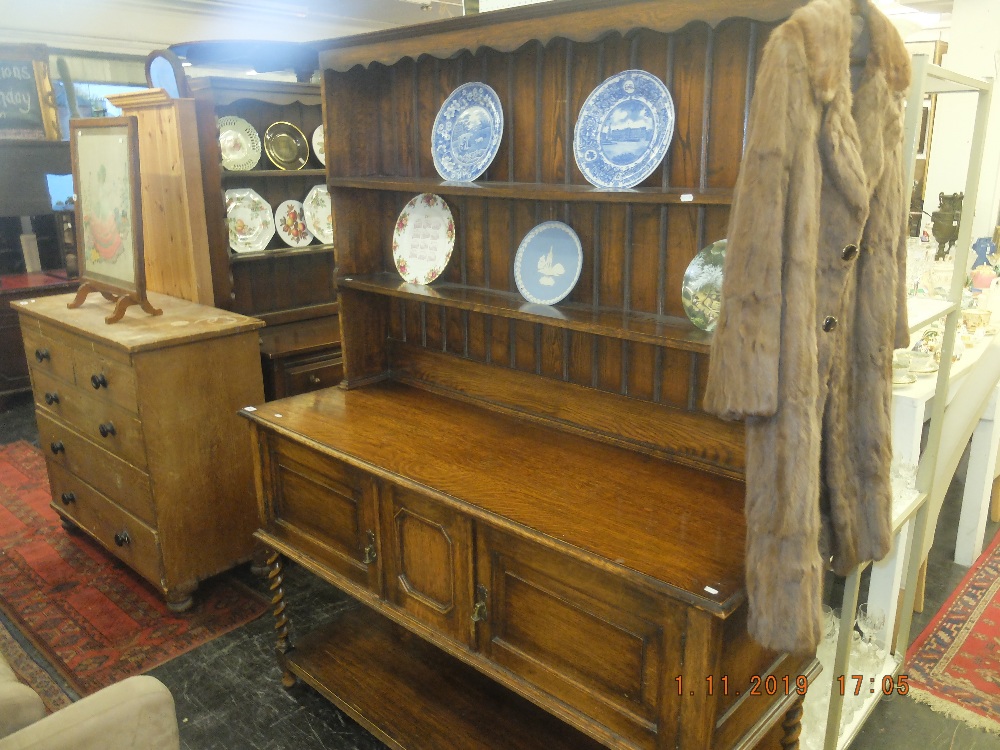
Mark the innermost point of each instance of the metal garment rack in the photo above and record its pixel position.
(910, 522)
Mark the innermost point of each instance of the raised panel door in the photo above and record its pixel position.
(599, 644)
(326, 507)
(428, 562)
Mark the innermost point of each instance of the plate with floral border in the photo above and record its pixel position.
(624, 129)
(423, 239)
(467, 132)
(251, 221)
(289, 218)
(548, 263)
(701, 288)
(239, 144)
(319, 214)
(319, 145)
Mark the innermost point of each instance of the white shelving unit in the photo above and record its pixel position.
(910, 508)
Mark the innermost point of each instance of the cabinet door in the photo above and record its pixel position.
(326, 508)
(428, 562)
(582, 634)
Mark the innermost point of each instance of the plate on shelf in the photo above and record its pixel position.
(239, 144)
(467, 132)
(319, 145)
(319, 214)
(291, 224)
(701, 288)
(548, 263)
(624, 130)
(423, 239)
(907, 379)
(286, 146)
(251, 221)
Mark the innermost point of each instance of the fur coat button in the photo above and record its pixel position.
(850, 252)
(830, 323)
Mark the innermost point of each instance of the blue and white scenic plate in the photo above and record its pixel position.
(624, 129)
(548, 263)
(467, 132)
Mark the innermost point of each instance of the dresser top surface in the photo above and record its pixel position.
(673, 524)
(181, 321)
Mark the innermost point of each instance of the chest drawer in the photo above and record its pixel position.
(312, 373)
(47, 355)
(112, 427)
(109, 474)
(123, 534)
(580, 634)
(110, 377)
(326, 507)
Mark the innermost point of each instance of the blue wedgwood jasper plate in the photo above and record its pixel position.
(467, 132)
(548, 263)
(624, 130)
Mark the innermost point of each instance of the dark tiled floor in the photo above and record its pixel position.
(229, 696)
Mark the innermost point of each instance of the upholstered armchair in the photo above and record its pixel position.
(134, 714)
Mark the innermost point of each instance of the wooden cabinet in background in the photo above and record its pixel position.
(139, 425)
(291, 289)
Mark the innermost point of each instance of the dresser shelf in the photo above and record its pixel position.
(448, 704)
(539, 191)
(663, 330)
(230, 176)
(279, 253)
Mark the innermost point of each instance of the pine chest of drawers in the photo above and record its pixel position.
(138, 421)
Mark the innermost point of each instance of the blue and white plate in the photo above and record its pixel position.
(467, 132)
(624, 130)
(548, 262)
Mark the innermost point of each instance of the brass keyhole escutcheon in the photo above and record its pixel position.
(370, 555)
(479, 613)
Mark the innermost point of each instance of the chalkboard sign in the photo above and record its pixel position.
(27, 107)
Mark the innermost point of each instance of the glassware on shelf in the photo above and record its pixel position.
(871, 620)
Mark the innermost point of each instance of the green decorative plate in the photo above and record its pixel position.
(701, 290)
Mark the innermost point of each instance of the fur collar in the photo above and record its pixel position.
(824, 27)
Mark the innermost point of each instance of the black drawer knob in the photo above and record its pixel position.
(42, 354)
(68, 497)
(99, 381)
(58, 447)
(122, 538)
(106, 429)
(52, 398)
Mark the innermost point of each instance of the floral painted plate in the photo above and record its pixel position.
(548, 263)
(701, 289)
(290, 220)
(239, 144)
(467, 132)
(624, 130)
(251, 222)
(319, 145)
(423, 239)
(319, 214)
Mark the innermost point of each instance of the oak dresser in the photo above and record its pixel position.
(138, 421)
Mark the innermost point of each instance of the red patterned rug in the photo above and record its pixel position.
(92, 617)
(954, 666)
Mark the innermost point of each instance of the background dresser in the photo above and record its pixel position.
(138, 423)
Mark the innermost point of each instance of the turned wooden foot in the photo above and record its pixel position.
(70, 527)
(258, 562)
(288, 680)
(792, 725)
(180, 599)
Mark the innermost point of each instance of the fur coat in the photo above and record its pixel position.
(813, 303)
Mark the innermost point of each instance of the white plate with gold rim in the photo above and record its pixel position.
(251, 221)
(319, 213)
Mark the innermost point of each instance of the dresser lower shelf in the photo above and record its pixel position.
(412, 695)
